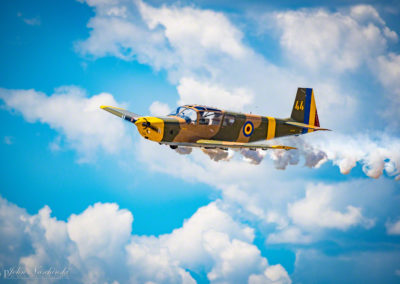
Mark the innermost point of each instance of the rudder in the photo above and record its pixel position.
(304, 108)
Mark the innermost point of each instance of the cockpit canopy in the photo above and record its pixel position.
(199, 115)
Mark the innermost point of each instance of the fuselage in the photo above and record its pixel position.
(192, 122)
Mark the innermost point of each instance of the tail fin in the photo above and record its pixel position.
(305, 109)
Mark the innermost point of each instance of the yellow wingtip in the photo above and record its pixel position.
(103, 107)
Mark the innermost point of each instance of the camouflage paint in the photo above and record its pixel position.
(245, 128)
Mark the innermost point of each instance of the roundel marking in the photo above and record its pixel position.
(248, 128)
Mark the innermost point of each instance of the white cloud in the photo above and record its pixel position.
(78, 118)
(235, 259)
(274, 274)
(291, 235)
(388, 71)
(185, 42)
(342, 40)
(315, 210)
(192, 32)
(206, 219)
(195, 92)
(393, 228)
(159, 109)
(109, 227)
(235, 72)
(98, 246)
(205, 69)
(178, 39)
(321, 41)
(260, 194)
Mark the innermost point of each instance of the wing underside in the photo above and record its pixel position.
(226, 144)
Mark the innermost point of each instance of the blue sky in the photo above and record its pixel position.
(81, 189)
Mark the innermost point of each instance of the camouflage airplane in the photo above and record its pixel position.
(202, 126)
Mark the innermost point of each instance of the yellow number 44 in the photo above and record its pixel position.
(299, 107)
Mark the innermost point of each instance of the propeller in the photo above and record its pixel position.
(146, 124)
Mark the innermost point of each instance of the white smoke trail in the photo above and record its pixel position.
(376, 155)
(218, 154)
(313, 157)
(184, 150)
(253, 156)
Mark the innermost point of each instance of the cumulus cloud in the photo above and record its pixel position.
(77, 117)
(192, 91)
(341, 41)
(261, 194)
(292, 235)
(388, 72)
(236, 77)
(110, 238)
(315, 211)
(393, 228)
(348, 38)
(218, 245)
(274, 274)
(194, 31)
(159, 109)
(175, 38)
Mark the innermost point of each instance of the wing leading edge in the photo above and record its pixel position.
(122, 113)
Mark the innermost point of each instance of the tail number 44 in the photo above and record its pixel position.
(299, 106)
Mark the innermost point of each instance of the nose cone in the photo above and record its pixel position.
(151, 128)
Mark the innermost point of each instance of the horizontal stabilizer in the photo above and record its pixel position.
(226, 145)
(303, 125)
(122, 113)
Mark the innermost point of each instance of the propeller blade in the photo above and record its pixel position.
(148, 124)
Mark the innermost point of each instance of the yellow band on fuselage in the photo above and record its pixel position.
(271, 128)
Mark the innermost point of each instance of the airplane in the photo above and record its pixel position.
(212, 128)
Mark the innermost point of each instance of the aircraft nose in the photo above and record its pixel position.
(151, 128)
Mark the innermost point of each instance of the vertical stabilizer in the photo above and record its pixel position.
(305, 109)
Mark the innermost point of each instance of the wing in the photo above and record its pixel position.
(226, 145)
(303, 125)
(124, 114)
